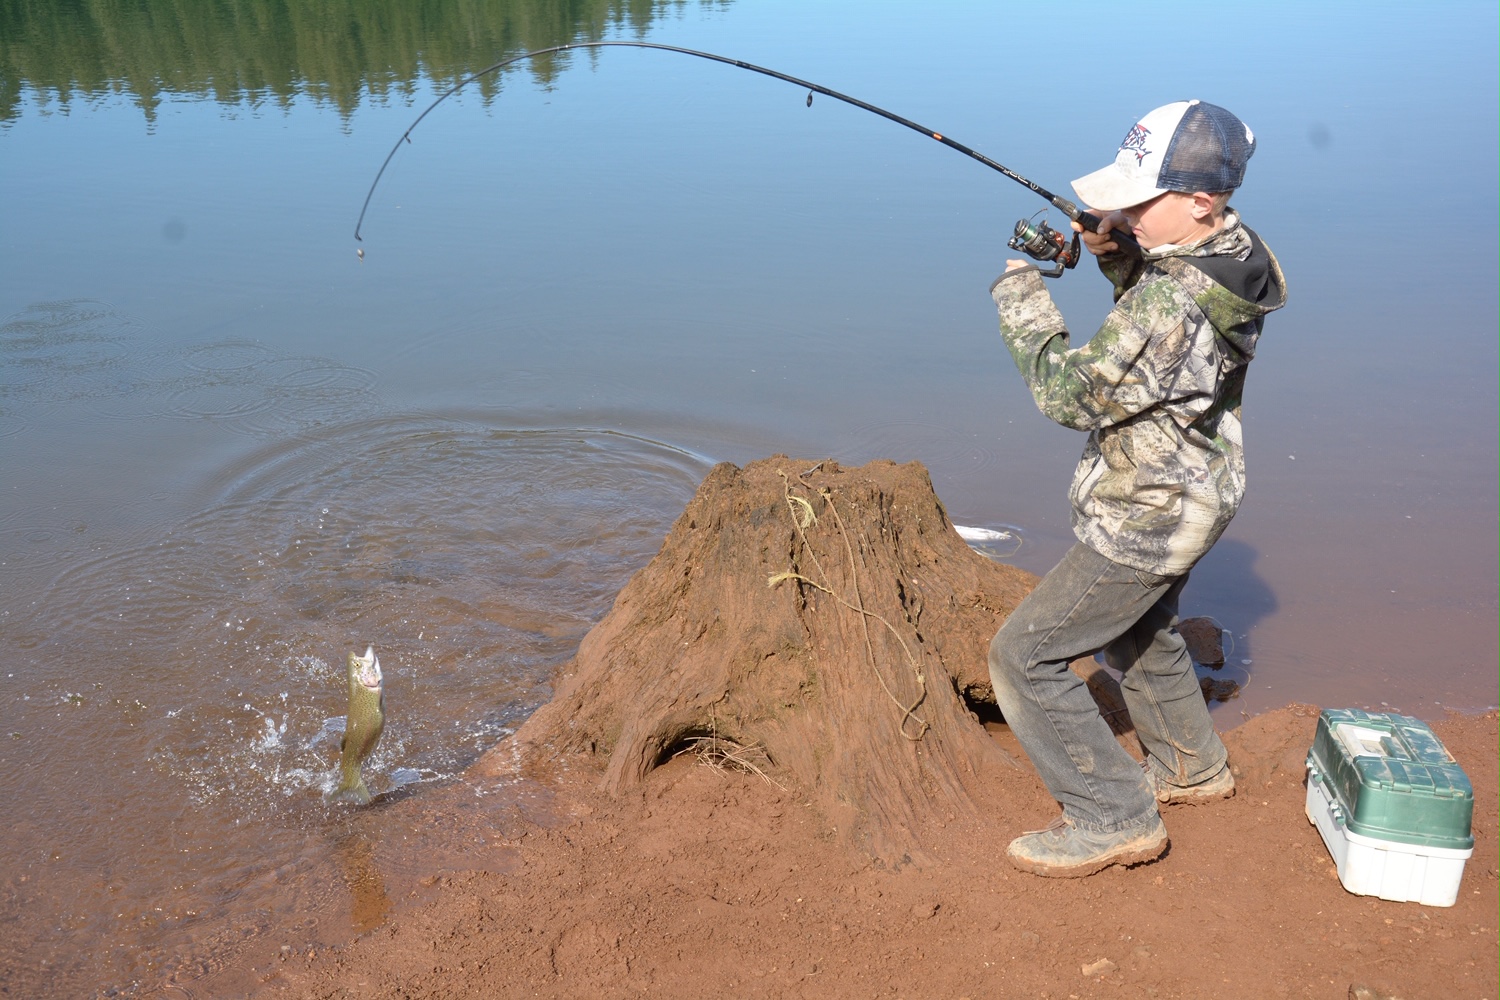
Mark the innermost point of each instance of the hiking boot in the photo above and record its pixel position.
(1064, 851)
(1220, 786)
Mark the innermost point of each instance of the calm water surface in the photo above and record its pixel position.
(232, 450)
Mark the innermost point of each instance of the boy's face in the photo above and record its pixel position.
(1173, 217)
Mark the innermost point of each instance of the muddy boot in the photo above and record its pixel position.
(1220, 786)
(1064, 851)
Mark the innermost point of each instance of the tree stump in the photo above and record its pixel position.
(828, 620)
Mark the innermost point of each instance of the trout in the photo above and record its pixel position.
(362, 727)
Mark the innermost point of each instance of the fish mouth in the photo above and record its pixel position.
(368, 673)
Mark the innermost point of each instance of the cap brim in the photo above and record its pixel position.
(1110, 189)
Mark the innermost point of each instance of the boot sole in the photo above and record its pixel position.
(1176, 798)
(1126, 857)
(1191, 795)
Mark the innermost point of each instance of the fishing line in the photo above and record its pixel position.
(1048, 247)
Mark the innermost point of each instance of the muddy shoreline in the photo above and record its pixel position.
(602, 852)
(710, 882)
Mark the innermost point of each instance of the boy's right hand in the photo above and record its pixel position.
(1100, 243)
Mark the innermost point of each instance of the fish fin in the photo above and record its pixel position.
(353, 792)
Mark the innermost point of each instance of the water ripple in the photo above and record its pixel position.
(70, 350)
(473, 556)
(84, 351)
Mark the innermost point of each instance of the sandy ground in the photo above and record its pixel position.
(717, 883)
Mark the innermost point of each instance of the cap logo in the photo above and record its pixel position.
(1135, 142)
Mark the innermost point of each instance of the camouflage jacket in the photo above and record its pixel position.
(1157, 388)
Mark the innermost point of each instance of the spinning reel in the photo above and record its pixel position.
(1040, 241)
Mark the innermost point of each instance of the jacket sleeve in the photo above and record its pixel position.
(1125, 368)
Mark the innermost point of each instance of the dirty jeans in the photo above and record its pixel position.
(1088, 603)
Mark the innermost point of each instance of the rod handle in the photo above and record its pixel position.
(1123, 239)
(1088, 220)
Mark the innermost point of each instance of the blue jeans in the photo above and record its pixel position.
(1088, 603)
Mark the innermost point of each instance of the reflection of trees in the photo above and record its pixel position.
(259, 50)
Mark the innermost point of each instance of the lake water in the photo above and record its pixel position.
(233, 450)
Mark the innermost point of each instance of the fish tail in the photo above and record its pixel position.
(351, 791)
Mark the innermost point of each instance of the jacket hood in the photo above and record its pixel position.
(1247, 282)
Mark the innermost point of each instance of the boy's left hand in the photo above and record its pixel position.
(1012, 265)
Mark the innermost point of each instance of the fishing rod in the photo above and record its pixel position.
(1032, 236)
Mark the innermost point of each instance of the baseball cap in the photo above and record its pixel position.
(1186, 146)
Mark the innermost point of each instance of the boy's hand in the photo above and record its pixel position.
(1012, 265)
(1100, 243)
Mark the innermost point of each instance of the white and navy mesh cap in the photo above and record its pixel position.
(1186, 146)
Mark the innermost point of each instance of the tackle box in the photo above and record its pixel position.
(1391, 804)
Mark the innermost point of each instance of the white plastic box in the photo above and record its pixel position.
(1392, 806)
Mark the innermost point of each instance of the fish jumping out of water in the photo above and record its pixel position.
(362, 728)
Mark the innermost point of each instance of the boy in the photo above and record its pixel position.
(1158, 390)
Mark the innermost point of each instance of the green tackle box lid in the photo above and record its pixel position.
(1392, 778)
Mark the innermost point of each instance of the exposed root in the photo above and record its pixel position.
(908, 712)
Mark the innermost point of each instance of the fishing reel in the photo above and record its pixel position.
(1040, 241)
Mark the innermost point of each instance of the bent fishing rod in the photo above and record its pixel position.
(1032, 236)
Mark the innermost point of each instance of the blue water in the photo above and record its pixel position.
(576, 294)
